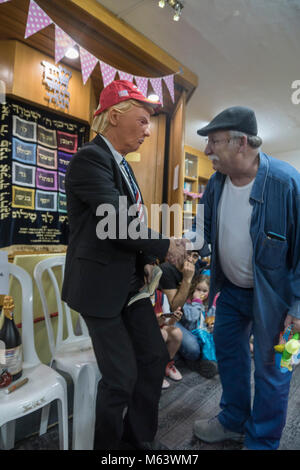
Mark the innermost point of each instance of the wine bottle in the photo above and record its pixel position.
(10, 335)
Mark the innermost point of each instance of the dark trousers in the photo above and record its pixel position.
(132, 357)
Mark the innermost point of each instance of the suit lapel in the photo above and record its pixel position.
(126, 185)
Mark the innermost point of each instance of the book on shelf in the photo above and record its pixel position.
(148, 289)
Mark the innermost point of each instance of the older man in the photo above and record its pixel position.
(251, 219)
(105, 264)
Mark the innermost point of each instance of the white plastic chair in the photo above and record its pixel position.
(44, 385)
(74, 355)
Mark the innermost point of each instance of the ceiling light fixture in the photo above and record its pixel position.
(153, 97)
(72, 53)
(178, 11)
(176, 5)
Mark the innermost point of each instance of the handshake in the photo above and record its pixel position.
(177, 252)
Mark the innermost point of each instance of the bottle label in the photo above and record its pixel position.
(12, 359)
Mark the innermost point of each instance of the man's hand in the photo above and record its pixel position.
(188, 271)
(148, 269)
(161, 320)
(296, 323)
(177, 315)
(177, 252)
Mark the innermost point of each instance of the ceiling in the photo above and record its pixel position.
(245, 52)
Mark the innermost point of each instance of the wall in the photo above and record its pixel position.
(292, 157)
(22, 71)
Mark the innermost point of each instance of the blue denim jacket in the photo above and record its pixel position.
(275, 198)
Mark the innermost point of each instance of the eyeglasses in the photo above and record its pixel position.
(217, 141)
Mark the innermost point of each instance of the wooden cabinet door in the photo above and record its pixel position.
(176, 167)
(148, 165)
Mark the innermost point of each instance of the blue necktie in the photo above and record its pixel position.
(135, 189)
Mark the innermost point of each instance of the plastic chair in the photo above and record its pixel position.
(44, 385)
(74, 355)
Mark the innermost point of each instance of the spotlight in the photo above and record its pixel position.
(72, 53)
(178, 10)
(177, 6)
(153, 97)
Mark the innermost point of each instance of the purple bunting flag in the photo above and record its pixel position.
(108, 73)
(169, 81)
(37, 19)
(62, 43)
(157, 87)
(142, 84)
(88, 63)
(125, 76)
(3, 1)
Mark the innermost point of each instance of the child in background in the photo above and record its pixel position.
(171, 334)
(199, 321)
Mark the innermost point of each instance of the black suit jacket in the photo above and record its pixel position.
(98, 272)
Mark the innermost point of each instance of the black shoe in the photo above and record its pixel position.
(207, 369)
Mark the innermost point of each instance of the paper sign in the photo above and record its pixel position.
(176, 177)
(2, 355)
(4, 275)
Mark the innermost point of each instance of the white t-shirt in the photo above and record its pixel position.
(234, 241)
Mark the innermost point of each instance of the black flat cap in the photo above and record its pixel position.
(236, 118)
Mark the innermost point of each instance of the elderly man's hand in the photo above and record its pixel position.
(296, 323)
(177, 252)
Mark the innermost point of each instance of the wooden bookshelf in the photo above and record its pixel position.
(197, 171)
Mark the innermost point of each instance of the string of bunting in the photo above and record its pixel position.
(37, 19)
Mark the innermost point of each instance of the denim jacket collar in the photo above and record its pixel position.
(257, 192)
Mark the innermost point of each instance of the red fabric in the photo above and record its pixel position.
(215, 299)
(158, 306)
(121, 90)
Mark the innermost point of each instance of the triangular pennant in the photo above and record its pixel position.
(108, 73)
(62, 43)
(169, 81)
(142, 84)
(88, 63)
(37, 19)
(157, 87)
(125, 76)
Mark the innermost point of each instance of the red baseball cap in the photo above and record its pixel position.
(122, 90)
